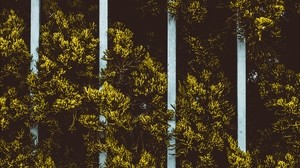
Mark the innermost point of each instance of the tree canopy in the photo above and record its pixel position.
(70, 94)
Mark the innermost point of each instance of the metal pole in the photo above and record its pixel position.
(241, 89)
(171, 157)
(34, 44)
(103, 27)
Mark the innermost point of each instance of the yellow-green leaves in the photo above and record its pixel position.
(120, 156)
(280, 91)
(288, 161)
(265, 16)
(262, 23)
(91, 121)
(236, 157)
(3, 113)
(15, 142)
(115, 107)
(147, 78)
(196, 10)
(173, 7)
(193, 12)
(65, 102)
(147, 160)
(61, 19)
(133, 102)
(12, 47)
(203, 112)
(70, 42)
(122, 40)
(202, 116)
(44, 161)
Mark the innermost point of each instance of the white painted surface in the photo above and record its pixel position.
(241, 91)
(103, 27)
(34, 32)
(171, 158)
(34, 44)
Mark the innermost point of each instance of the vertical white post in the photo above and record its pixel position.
(171, 157)
(103, 27)
(34, 44)
(241, 89)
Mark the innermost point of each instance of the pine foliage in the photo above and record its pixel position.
(121, 111)
(279, 90)
(15, 140)
(141, 139)
(66, 66)
(203, 112)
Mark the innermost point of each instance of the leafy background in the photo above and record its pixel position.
(64, 98)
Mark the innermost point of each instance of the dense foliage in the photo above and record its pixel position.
(122, 110)
(15, 140)
(66, 66)
(142, 134)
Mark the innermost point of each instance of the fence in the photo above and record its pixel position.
(171, 61)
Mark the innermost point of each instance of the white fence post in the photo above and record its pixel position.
(34, 44)
(103, 27)
(241, 88)
(171, 54)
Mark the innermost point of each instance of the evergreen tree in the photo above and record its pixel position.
(203, 112)
(142, 141)
(67, 65)
(277, 141)
(15, 139)
(147, 19)
(236, 157)
(66, 101)
(279, 91)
